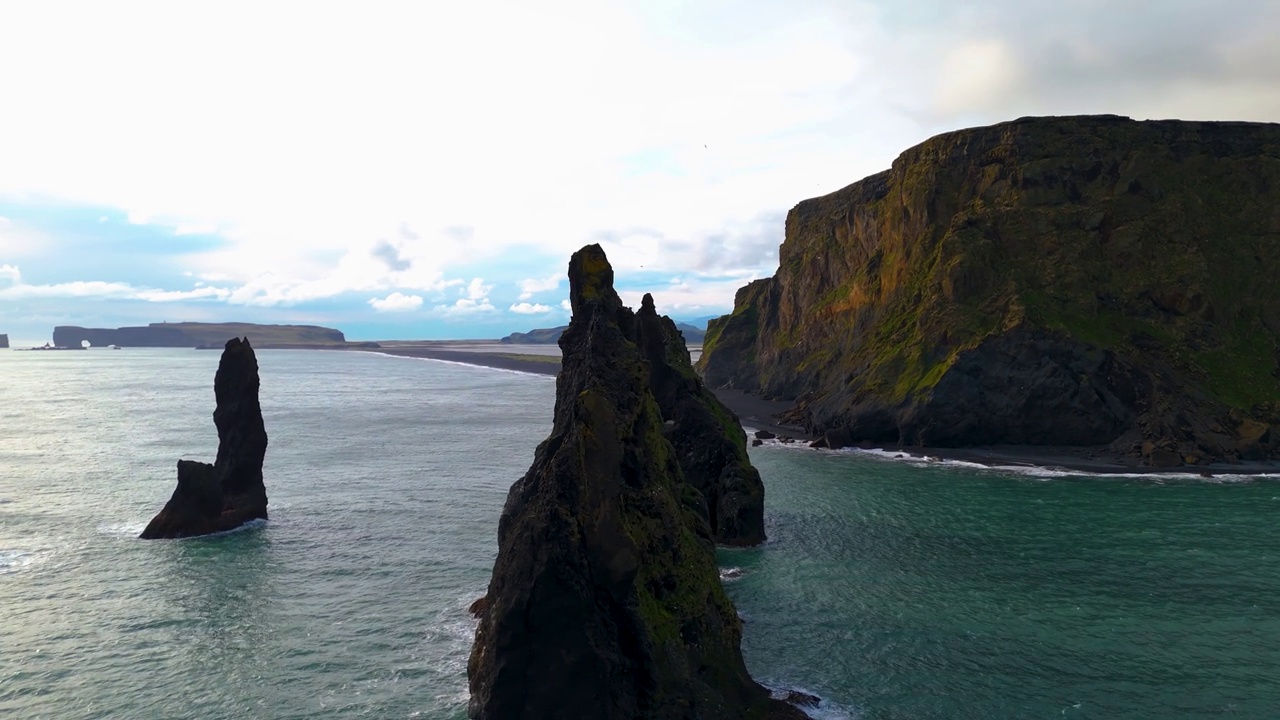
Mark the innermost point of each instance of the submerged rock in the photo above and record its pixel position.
(605, 599)
(229, 493)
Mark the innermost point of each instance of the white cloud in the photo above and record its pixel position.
(536, 285)
(525, 308)
(205, 292)
(477, 290)
(396, 302)
(10, 274)
(465, 306)
(566, 305)
(195, 229)
(106, 290)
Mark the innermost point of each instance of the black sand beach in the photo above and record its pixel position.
(757, 413)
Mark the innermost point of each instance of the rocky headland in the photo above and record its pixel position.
(605, 599)
(206, 335)
(1078, 281)
(229, 493)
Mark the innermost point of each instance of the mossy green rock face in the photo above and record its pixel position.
(605, 599)
(1070, 281)
(709, 442)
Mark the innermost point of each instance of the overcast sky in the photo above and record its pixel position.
(423, 170)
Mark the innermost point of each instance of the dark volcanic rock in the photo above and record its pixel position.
(229, 493)
(605, 600)
(709, 441)
(1046, 281)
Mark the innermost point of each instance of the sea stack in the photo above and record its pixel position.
(1088, 281)
(708, 439)
(4, 340)
(605, 600)
(229, 493)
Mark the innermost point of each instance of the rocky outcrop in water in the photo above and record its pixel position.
(605, 600)
(4, 341)
(709, 442)
(1047, 281)
(229, 493)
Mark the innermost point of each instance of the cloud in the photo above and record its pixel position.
(465, 306)
(531, 286)
(525, 308)
(387, 253)
(566, 306)
(195, 229)
(19, 290)
(475, 301)
(396, 302)
(477, 290)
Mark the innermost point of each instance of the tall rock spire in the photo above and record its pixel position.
(229, 493)
(605, 599)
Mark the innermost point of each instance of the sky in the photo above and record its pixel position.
(421, 170)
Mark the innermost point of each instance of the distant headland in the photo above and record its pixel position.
(693, 335)
(207, 336)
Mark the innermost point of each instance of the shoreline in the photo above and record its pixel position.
(500, 361)
(760, 414)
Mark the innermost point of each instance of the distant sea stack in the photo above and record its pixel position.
(229, 493)
(605, 600)
(210, 335)
(4, 341)
(1046, 281)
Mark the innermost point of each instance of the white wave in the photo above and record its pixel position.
(251, 525)
(1035, 471)
(12, 561)
(730, 574)
(825, 709)
(127, 529)
(467, 365)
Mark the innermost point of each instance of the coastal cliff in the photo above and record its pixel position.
(1047, 281)
(192, 334)
(229, 493)
(605, 599)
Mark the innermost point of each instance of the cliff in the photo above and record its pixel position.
(229, 493)
(1058, 281)
(605, 599)
(4, 341)
(198, 334)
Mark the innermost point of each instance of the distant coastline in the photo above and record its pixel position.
(758, 413)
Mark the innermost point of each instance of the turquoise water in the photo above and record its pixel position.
(894, 590)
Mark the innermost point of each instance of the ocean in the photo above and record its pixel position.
(891, 588)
